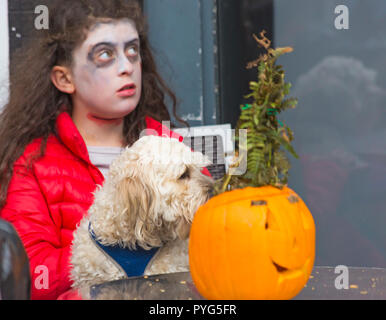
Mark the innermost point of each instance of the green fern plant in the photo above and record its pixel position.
(267, 163)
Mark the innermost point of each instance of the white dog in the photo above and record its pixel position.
(146, 206)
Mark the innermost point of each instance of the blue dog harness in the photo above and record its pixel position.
(132, 262)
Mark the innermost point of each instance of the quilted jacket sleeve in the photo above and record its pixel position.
(27, 210)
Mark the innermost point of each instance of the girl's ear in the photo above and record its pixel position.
(62, 79)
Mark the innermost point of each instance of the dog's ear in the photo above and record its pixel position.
(135, 198)
(183, 228)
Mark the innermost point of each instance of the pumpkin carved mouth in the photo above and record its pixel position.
(286, 273)
(279, 268)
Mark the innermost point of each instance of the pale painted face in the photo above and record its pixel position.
(107, 71)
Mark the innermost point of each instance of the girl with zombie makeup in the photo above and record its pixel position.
(88, 89)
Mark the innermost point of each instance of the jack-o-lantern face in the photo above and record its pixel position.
(252, 243)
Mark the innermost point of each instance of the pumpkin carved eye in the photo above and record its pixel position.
(293, 199)
(271, 222)
(258, 203)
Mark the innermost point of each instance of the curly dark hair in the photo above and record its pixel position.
(35, 103)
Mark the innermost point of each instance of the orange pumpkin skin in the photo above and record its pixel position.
(252, 243)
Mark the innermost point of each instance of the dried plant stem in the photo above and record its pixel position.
(230, 173)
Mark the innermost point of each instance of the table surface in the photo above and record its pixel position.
(363, 284)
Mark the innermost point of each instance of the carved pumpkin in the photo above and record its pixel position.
(252, 243)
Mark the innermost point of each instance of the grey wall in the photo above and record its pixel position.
(4, 54)
(183, 36)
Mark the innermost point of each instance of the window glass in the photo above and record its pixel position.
(339, 77)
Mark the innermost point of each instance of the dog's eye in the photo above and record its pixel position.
(185, 175)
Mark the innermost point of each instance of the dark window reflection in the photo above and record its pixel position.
(338, 77)
(237, 21)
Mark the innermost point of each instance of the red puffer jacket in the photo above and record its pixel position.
(45, 204)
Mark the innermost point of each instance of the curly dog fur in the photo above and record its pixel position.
(148, 199)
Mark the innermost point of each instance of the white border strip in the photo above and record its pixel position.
(4, 54)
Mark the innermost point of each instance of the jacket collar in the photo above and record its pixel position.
(70, 136)
(158, 129)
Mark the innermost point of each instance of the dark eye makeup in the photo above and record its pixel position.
(103, 54)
